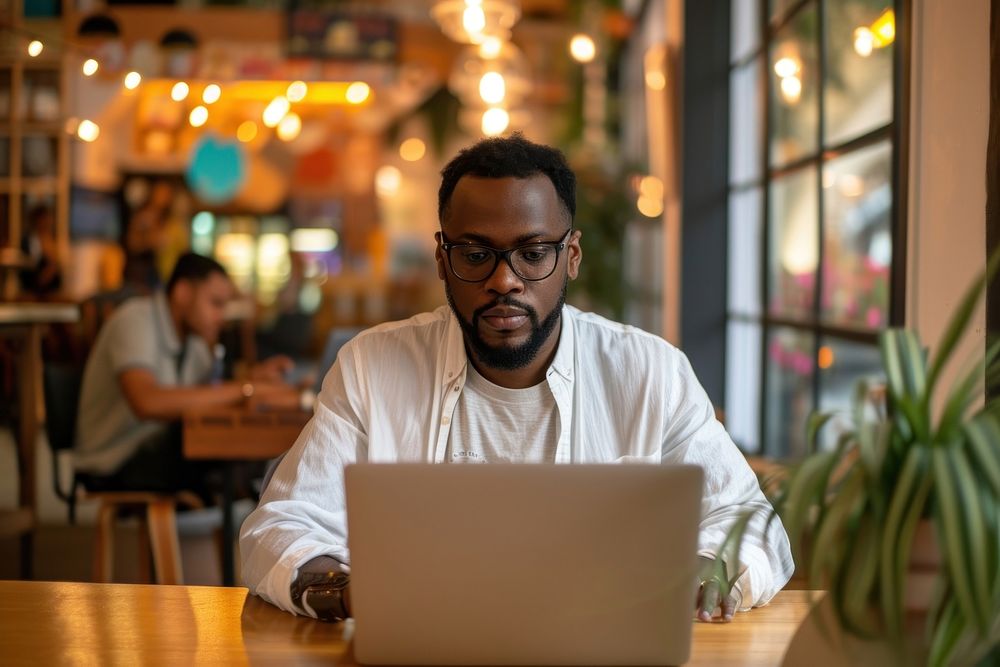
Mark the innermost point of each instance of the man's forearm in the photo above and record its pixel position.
(169, 403)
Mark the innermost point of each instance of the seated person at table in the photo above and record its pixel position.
(150, 363)
(507, 373)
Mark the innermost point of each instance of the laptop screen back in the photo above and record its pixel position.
(523, 564)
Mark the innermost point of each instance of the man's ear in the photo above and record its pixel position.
(439, 257)
(182, 292)
(575, 254)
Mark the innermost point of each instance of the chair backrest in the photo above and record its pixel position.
(62, 384)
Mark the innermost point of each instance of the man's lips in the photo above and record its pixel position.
(505, 319)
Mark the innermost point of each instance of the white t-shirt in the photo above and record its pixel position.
(494, 424)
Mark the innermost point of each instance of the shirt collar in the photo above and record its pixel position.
(168, 333)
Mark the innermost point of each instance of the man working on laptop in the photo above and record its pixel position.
(508, 373)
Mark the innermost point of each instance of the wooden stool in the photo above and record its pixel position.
(157, 531)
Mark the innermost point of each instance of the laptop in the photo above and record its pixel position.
(507, 564)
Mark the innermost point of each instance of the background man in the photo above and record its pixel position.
(151, 361)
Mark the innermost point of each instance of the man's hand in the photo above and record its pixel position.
(272, 369)
(712, 576)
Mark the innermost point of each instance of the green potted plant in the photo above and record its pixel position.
(900, 521)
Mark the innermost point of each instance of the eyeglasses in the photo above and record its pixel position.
(474, 263)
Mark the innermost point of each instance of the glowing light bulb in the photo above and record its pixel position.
(132, 80)
(786, 67)
(358, 92)
(490, 48)
(582, 48)
(275, 111)
(297, 91)
(474, 20)
(492, 88)
(90, 67)
(864, 42)
(495, 121)
(88, 130)
(211, 94)
(289, 127)
(179, 92)
(791, 89)
(35, 48)
(198, 116)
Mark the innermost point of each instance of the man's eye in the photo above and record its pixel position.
(475, 256)
(534, 254)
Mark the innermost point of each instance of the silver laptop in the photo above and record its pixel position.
(523, 564)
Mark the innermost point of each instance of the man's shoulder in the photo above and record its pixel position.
(137, 313)
(422, 332)
(594, 331)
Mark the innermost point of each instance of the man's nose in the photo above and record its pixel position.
(504, 280)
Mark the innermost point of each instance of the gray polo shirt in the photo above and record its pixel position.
(140, 334)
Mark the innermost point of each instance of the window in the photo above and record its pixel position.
(815, 214)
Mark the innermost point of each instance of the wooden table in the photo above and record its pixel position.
(22, 325)
(127, 624)
(230, 435)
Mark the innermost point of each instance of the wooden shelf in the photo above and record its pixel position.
(35, 186)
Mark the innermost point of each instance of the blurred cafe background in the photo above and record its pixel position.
(765, 183)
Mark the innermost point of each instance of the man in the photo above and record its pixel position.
(507, 373)
(151, 362)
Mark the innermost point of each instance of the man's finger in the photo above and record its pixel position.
(728, 608)
(709, 600)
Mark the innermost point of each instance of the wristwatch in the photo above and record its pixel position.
(322, 594)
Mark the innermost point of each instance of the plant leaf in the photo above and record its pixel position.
(907, 484)
(983, 437)
(814, 424)
(950, 531)
(858, 577)
(831, 525)
(803, 492)
(976, 548)
(946, 635)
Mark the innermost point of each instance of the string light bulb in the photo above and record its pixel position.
(132, 80)
(88, 130)
(35, 48)
(198, 116)
(211, 94)
(90, 67)
(179, 92)
(358, 92)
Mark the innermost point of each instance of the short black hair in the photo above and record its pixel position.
(194, 268)
(503, 157)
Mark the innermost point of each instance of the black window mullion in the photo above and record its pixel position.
(900, 162)
(820, 198)
(765, 447)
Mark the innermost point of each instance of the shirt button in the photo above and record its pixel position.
(458, 387)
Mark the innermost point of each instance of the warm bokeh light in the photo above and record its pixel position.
(314, 239)
(864, 41)
(211, 94)
(474, 20)
(90, 67)
(582, 48)
(884, 28)
(490, 48)
(651, 186)
(412, 149)
(179, 92)
(247, 131)
(198, 116)
(88, 130)
(289, 127)
(791, 89)
(495, 121)
(297, 91)
(656, 80)
(132, 80)
(786, 67)
(358, 92)
(825, 358)
(651, 207)
(492, 88)
(275, 111)
(387, 181)
(35, 48)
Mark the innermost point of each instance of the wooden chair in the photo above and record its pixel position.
(156, 511)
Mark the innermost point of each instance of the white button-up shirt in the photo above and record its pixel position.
(622, 395)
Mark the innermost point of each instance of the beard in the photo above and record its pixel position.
(508, 357)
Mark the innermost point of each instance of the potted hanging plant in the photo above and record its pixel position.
(899, 522)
